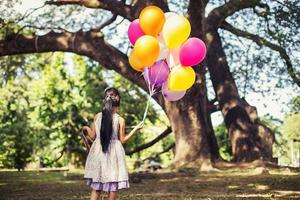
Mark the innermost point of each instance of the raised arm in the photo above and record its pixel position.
(122, 134)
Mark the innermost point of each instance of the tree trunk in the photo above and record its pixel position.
(196, 144)
(248, 134)
(250, 139)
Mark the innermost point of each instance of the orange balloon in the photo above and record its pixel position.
(151, 20)
(135, 63)
(146, 49)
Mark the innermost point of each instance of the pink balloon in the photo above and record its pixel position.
(192, 52)
(134, 31)
(171, 95)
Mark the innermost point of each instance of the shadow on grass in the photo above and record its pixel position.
(229, 184)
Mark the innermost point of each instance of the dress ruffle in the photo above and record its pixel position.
(108, 186)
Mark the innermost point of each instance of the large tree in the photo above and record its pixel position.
(189, 117)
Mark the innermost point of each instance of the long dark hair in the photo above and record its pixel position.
(111, 99)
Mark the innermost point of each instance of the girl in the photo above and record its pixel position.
(105, 166)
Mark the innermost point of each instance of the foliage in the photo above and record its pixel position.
(223, 142)
(44, 106)
(16, 133)
(285, 132)
(295, 105)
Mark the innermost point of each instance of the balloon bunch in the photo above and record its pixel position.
(163, 52)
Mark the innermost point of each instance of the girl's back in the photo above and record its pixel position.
(105, 167)
(107, 171)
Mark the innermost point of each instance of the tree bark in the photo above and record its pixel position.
(188, 118)
(250, 139)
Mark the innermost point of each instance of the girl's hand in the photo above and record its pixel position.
(139, 126)
(85, 129)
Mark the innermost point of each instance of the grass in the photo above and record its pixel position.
(229, 184)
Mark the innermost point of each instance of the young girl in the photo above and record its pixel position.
(105, 166)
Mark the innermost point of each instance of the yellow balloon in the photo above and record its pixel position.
(151, 20)
(176, 30)
(181, 78)
(135, 63)
(146, 49)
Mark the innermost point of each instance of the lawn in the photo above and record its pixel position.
(229, 184)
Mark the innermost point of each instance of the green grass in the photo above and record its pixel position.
(230, 184)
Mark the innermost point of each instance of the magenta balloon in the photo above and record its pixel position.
(157, 74)
(171, 95)
(134, 31)
(192, 52)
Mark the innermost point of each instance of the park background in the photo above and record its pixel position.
(50, 89)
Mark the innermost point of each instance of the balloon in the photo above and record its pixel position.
(152, 19)
(134, 31)
(173, 57)
(176, 30)
(192, 52)
(157, 74)
(146, 50)
(163, 49)
(135, 63)
(169, 14)
(181, 78)
(171, 95)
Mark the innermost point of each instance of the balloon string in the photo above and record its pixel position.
(147, 108)
(152, 91)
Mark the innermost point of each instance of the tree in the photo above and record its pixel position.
(189, 117)
(224, 145)
(16, 133)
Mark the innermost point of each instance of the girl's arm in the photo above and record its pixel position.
(122, 135)
(91, 131)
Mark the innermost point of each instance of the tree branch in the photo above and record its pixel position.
(214, 100)
(90, 44)
(260, 41)
(56, 159)
(108, 22)
(171, 146)
(151, 143)
(219, 14)
(116, 7)
(213, 108)
(196, 16)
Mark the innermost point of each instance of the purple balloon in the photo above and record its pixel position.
(157, 74)
(171, 95)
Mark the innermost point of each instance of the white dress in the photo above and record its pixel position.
(107, 171)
